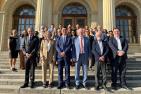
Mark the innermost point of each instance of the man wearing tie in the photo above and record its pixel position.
(63, 48)
(81, 53)
(119, 48)
(30, 48)
(100, 51)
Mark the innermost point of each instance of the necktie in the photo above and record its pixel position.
(81, 45)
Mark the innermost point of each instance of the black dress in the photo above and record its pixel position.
(13, 47)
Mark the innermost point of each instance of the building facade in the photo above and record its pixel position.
(20, 14)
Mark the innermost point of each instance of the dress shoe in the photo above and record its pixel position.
(77, 87)
(97, 88)
(44, 85)
(124, 86)
(14, 69)
(24, 86)
(60, 87)
(67, 86)
(114, 87)
(32, 85)
(86, 87)
(49, 85)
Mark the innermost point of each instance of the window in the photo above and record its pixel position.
(24, 17)
(74, 9)
(126, 22)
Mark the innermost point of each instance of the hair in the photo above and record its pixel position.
(116, 28)
(11, 33)
(48, 33)
(36, 33)
(110, 31)
(74, 33)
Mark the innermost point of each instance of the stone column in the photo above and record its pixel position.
(43, 13)
(108, 14)
(2, 19)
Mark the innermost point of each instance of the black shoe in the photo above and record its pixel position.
(124, 86)
(24, 86)
(85, 86)
(49, 85)
(114, 87)
(14, 69)
(67, 86)
(44, 85)
(97, 88)
(77, 87)
(32, 85)
(60, 87)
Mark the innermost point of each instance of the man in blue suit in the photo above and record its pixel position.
(119, 48)
(100, 51)
(63, 47)
(81, 53)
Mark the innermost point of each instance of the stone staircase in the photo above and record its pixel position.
(134, 48)
(10, 82)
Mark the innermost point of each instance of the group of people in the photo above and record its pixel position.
(66, 46)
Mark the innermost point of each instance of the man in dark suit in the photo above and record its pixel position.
(119, 48)
(100, 51)
(30, 48)
(63, 47)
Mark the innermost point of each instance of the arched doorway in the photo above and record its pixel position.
(126, 20)
(74, 13)
(23, 18)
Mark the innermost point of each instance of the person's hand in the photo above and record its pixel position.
(43, 58)
(62, 54)
(27, 55)
(120, 53)
(73, 60)
(102, 58)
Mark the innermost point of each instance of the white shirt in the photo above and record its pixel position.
(101, 46)
(64, 39)
(119, 43)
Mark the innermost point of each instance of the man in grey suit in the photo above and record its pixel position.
(30, 48)
(81, 53)
(100, 51)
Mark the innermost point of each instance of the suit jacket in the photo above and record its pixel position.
(114, 46)
(50, 55)
(97, 52)
(30, 46)
(76, 48)
(63, 47)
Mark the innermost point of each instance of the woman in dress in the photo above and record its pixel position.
(14, 46)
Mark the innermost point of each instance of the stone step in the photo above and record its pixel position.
(5, 89)
(39, 68)
(12, 89)
(129, 64)
(128, 67)
(90, 83)
(38, 71)
(39, 76)
(40, 90)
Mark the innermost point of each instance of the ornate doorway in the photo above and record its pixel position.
(126, 20)
(73, 14)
